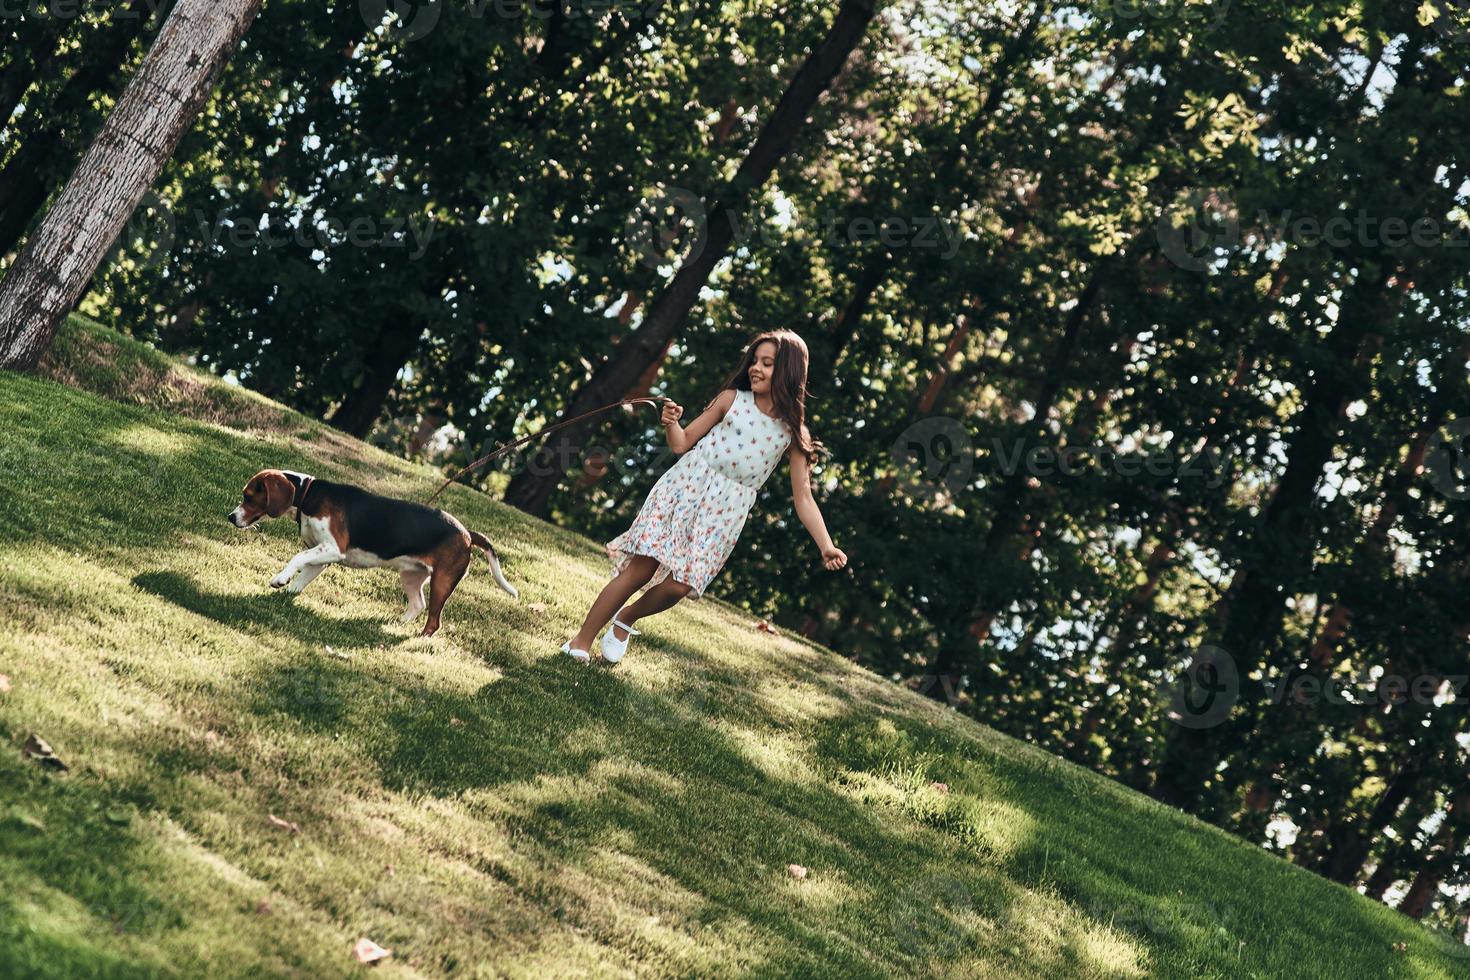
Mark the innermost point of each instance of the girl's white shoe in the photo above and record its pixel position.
(580, 656)
(614, 648)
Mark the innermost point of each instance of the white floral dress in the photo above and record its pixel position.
(694, 513)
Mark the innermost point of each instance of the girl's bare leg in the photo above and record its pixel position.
(634, 576)
(664, 595)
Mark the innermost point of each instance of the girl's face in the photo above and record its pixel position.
(763, 367)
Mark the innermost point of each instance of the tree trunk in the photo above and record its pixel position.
(845, 327)
(531, 488)
(1251, 613)
(1011, 514)
(167, 92)
(1439, 858)
(359, 411)
(1348, 845)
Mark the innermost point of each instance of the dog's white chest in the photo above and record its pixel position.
(315, 531)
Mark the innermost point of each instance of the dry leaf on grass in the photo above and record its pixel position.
(36, 748)
(456, 722)
(942, 788)
(367, 951)
(264, 908)
(536, 607)
(276, 821)
(4, 684)
(765, 627)
(796, 871)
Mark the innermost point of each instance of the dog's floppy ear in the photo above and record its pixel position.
(279, 492)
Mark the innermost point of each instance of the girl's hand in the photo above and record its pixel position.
(672, 412)
(834, 558)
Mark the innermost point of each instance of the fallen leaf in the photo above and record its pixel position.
(36, 748)
(940, 787)
(264, 908)
(536, 607)
(27, 820)
(367, 951)
(4, 684)
(796, 871)
(765, 627)
(390, 870)
(276, 821)
(456, 722)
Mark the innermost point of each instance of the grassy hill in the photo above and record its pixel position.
(481, 804)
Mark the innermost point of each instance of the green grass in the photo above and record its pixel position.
(481, 804)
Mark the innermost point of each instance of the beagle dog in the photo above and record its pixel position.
(343, 523)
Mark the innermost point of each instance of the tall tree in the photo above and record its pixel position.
(160, 102)
(531, 488)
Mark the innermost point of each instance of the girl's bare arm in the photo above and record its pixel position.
(682, 439)
(833, 557)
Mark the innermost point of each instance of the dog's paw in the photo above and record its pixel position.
(280, 581)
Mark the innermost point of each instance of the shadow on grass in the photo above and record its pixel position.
(275, 612)
(577, 759)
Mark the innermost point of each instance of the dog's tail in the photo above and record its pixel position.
(478, 540)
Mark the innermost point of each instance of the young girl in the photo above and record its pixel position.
(693, 515)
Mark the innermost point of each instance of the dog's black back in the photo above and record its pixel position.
(384, 526)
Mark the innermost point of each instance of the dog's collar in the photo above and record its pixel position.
(299, 497)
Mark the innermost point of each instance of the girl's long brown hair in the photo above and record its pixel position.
(788, 383)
